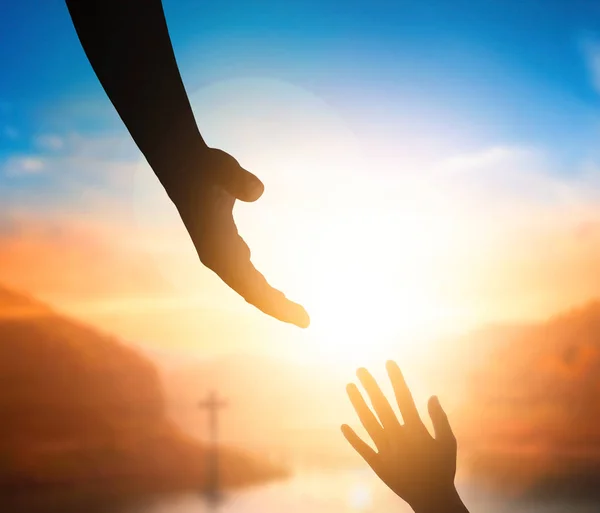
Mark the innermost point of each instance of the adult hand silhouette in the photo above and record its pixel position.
(205, 198)
(129, 48)
(416, 466)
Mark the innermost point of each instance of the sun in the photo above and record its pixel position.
(366, 245)
(368, 301)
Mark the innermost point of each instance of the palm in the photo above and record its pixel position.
(412, 462)
(415, 465)
(205, 202)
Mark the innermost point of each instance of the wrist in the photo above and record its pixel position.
(179, 164)
(442, 501)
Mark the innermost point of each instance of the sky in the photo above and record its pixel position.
(429, 166)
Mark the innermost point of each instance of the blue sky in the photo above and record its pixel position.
(471, 74)
(507, 70)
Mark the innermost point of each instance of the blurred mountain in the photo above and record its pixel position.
(81, 410)
(530, 422)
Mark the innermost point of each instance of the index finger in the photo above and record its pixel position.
(222, 250)
(378, 400)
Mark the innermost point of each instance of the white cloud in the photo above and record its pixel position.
(88, 174)
(505, 175)
(99, 163)
(489, 158)
(509, 185)
(49, 142)
(23, 166)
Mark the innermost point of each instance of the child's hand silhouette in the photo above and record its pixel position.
(416, 466)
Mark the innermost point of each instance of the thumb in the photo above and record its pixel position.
(227, 172)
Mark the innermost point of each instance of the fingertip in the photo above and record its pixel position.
(296, 314)
(288, 311)
(303, 319)
(433, 405)
(274, 303)
(241, 183)
(347, 431)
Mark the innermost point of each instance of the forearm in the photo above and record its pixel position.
(128, 45)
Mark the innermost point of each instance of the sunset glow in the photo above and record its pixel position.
(393, 219)
(431, 178)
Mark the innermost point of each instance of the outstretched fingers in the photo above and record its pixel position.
(404, 398)
(378, 400)
(441, 425)
(247, 281)
(366, 416)
(227, 254)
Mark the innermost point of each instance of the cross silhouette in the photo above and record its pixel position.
(213, 404)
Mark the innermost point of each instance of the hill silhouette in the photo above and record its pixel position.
(83, 412)
(530, 424)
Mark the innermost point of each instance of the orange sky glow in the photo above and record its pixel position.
(385, 250)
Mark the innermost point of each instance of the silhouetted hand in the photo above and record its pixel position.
(416, 466)
(129, 48)
(205, 193)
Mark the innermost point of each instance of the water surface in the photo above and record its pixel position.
(339, 492)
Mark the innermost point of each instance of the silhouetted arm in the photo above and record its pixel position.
(128, 45)
(419, 468)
